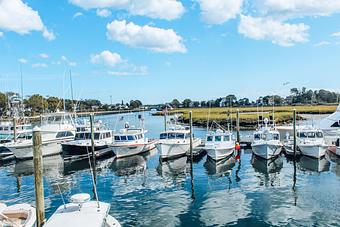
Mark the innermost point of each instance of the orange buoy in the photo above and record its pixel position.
(237, 147)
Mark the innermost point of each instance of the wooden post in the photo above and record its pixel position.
(165, 119)
(294, 131)
(238, 125)
(38, 177)
(93, 157)
(191, 153)
(14, 129)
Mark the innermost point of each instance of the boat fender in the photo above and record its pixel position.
(237, 147)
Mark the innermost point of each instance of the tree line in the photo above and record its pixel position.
(296, 97)
(37, 104)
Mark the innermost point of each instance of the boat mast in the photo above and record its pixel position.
(22, 89)
(73, 105)
(273, 110)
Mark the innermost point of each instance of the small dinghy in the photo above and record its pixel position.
(82, 212)
(19, 215)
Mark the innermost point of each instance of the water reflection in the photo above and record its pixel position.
(219, 168)
(52, 167)
(314, 164)
(173, 170)
(267, 166)
(224, 207)
(269, 170)
(129, 165)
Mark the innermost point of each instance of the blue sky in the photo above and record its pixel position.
(157, 50)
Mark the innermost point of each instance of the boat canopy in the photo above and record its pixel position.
(331, 122)
(57, 118)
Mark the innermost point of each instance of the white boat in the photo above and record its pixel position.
(219, 144)
(131, 141)
(330, 125)
(7, 130)
(55, 128)
(288, 147)
(82, 212)
(311, 142)
(18, 215)
(175, 142)
(82, 145)
(266, 142)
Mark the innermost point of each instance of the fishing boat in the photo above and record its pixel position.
(219, 144)
(311, 142)
(266, 142)
(81, 146)
(175, 142)
(131, 141)
(55, 128)
(21, 215)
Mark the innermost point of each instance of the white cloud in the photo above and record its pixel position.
(219, 11)
(161, 9)
(77, 14)
(103, 12)
(43, 55)
(107, 58)
(152, 38)
(298, 8)
(22, 60)
(18, 17)
(68, 62)
(39, 65)
(336, 34)
(283, 34)
(136, 71)
(322, 43)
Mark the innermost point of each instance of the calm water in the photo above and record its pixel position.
(143, 191)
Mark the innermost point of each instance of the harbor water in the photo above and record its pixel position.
(144, 191)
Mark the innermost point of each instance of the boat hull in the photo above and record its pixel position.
(220, 153)
(171, 150)
(266, 151)
(26, 152)
(129, 150)
(315, 151)
(72, 150)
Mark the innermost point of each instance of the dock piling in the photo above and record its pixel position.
(93, 156)
(38, 177)
(14, 129)
(191, 152)
(238, 125)
(294, 131)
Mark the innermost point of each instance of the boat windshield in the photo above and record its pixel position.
(87, 136)
(257, 136)
(218, 138)
(226, 138)
(174, 135)
(57, 119)
(209, 138)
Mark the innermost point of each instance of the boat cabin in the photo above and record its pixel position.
(129, 135)
(270, 135)
(174, 135)
(312, 134)
(219, 138)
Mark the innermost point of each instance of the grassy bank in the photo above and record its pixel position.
(248, 115)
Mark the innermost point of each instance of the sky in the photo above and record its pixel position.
(158, 50)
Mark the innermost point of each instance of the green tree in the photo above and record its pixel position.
(186, 103)
(54, 103)
(3, 101)
(175, 103)
(36, 103)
